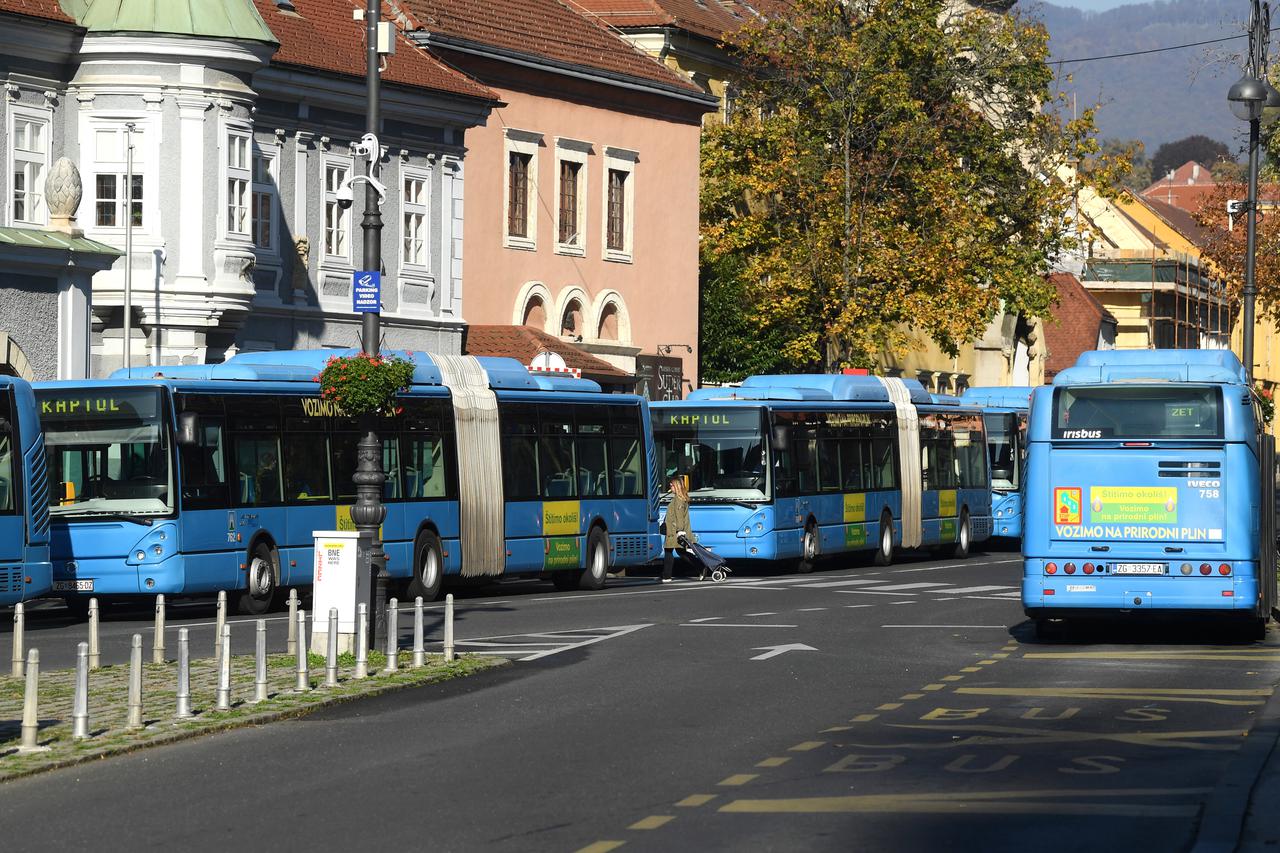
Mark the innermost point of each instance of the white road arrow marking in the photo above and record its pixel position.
(774, 651)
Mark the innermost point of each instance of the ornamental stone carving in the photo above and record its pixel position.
(63, 191)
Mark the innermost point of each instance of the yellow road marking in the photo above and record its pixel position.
(653, 822)
(602, 847)
(834, 729)
(934, 687)
(695, 800)
(981, 735)
(972, 669)
(1153, 694)
(1000, 655)
(907, 697)
(740, 779)
(986, 662)
(864, 718)
(890, 706)
(807, 745)
(953, 678)
(774, 762)
(1008, 648)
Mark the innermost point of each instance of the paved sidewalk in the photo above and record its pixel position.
(108, 699)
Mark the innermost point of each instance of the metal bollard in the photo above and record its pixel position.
(184, 676)
(30, 705)
(291, 645)
(393, 636)
(80, 702)
(95, 659)
(19, 621)
(362, 640)
(135, 683)
(448, 627)
(331, 651)
(157, 642)
(219, 621)
(260, 660)
(304, 678)
(224, 672)
(419, 653)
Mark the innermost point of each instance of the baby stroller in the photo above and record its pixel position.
(707, 560)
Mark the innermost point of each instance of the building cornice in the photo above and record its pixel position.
(149, 47)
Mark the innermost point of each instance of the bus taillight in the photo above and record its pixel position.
(1069, 568)
(1224, 569)
(1088, 568)
(1205, 568)
(1050, 568)
(1186, 568)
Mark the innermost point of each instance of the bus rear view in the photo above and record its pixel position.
(1146, 493)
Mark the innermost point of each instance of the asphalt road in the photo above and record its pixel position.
(925, 717)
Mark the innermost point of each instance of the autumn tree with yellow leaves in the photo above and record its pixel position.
(886, 165)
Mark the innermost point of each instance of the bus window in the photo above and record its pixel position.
(258, 463)
(520, 471)
(306, 467)
(884, 464)
(593, 467)
(555, 458)
(203, 467)
(855, 459)
(626, 453)
(828, 464)
(6, 475)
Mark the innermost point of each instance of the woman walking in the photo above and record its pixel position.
(677, 524)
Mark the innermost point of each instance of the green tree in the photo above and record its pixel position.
(891, 164)
(1198, 148)
(1139, 177)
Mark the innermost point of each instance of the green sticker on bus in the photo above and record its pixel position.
(563, 552)
(948, 532)
(855, 535)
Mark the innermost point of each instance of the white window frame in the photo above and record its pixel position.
(41, 164)
(237, 176)
(622, 160)
(420, 208)
(573, 151)
(331, 206)
(521, 142)
(270, 154)
(146, 146)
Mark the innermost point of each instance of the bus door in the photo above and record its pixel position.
(210, 535)
(12, 524)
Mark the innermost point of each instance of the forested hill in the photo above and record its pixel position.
(1159, 97)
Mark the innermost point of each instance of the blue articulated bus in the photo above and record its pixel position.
(1150, 488)
(1004, 413)
(213, 477)
(25, 571)
(794, 467)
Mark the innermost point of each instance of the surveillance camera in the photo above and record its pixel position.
(344, 195)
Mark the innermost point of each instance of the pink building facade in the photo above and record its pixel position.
(581, 191)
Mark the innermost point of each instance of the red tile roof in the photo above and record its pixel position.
(711, 19)
(47, 9)
(1074, 324)
(323, 36)
(523, 343)
(541, 29)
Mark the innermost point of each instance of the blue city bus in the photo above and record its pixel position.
(213, 477)
(1004, 412)
(25, 571)
(1150, 488)
(790, 468)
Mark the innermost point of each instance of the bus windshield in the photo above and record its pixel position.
(1138, 412)
(721, 450)
(1004, 448)
(108, 452)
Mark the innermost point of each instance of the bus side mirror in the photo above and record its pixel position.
(781, 437)
(188, 434)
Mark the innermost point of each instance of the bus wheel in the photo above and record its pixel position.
(884, 551)
(808, 550)
(597, 560)
(257, 598)
(566, 579)
(428, 572)
(961, 548)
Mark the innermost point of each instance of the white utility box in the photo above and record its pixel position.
(341, 580)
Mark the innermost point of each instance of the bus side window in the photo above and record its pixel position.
(203, 467)
(590, 447)
(258, 463)
(555, 458)
(520, 472)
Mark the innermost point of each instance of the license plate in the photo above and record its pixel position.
(1139, 568)
(74, 586)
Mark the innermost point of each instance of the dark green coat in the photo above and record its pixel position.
(677, 520)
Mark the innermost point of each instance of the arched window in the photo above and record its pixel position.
(535, 313)
(608, 330)
(571, 320)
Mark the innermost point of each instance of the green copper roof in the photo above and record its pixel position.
(229, 19)
(37, 238)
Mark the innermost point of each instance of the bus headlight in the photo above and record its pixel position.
(140, 556)
(158, 550)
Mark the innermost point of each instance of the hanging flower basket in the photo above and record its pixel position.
(364, 383)
(1267, 401)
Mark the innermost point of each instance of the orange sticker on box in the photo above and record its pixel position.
(1066, 505)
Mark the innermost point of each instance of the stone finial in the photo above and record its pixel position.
(63, 190)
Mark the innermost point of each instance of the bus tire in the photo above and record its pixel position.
(566, 579)
(961, 547)
(808, 549)
(593, 575)
(262, 583)
(884, 545)
(428, 568)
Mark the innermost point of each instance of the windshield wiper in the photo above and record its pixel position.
(714, 500)
(108, 515)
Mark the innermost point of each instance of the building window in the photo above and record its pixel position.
(265, 199)
(110, 201)
(337, 221)
(30, 163)
(111, 169)
(571, 195)
(414, 205)
(238, 176)
(570, 235)
(518, 199)
(619, 204)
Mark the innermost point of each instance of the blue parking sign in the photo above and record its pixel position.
(366, 291)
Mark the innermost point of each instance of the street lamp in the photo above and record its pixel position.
(1256, 101)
